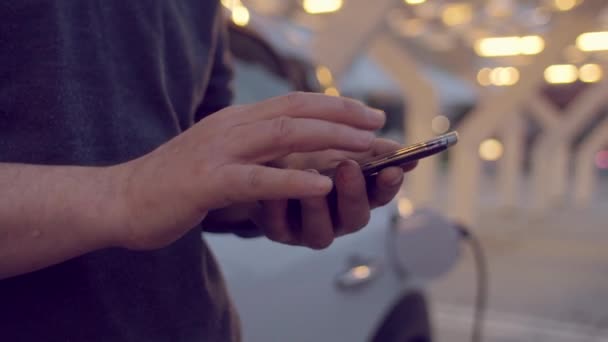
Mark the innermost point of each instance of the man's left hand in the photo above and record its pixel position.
(319, 221)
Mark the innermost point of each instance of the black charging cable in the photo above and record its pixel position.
(481, 268)
(481, 293)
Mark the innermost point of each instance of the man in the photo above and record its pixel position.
(107, 175)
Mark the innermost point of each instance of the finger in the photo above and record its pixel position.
(317, 106)
(255, 182)
(319, 160)
(379, 146)
(353, 206)
(317, 226)
(382, 146)
(274, 222)
(271, 139)
(328, 159)
(409, 166)
(386, 186)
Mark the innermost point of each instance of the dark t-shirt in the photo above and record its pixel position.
(99, 82)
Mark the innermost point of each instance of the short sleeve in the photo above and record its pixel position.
(219, 92)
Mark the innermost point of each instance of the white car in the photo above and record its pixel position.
(362, 288)
(359, 289)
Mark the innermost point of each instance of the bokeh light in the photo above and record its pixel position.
(414, 2)
(405, 207)
(491, 150)
(324, 76)
(332, 91)
(593, 41)
(590, 73)
(601, 160)
(360, 272)
(240, 15)
(483, 77)
(509, 46)
(456, 14)
(504, 76)
(321, 6)
(440, 124)
(564, 5)
(561, 74)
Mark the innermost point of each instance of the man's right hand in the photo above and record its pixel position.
(221, 161)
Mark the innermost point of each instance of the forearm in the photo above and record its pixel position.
(49, 214)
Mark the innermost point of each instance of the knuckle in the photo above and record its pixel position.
(254, 178)
(295, 100)
(349, 105)
(282, 129)
(231, 134)
(352, 106)
(229, 117)
(227, 175)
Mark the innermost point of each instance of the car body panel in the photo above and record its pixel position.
(286, 293)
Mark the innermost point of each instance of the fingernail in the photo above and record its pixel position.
(377, 116)
(325, 184)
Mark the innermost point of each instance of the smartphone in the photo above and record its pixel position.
(409, 154)
(405, 155)
(372, 167)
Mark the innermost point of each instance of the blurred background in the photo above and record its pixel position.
(523, 83)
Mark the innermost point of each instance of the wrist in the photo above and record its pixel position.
(152, 207)
(117, 205)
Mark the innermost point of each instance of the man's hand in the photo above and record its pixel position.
(224, 160)
(317, 220)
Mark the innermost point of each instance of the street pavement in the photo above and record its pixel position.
(548, 279)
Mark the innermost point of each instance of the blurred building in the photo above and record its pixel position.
(522, 81)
